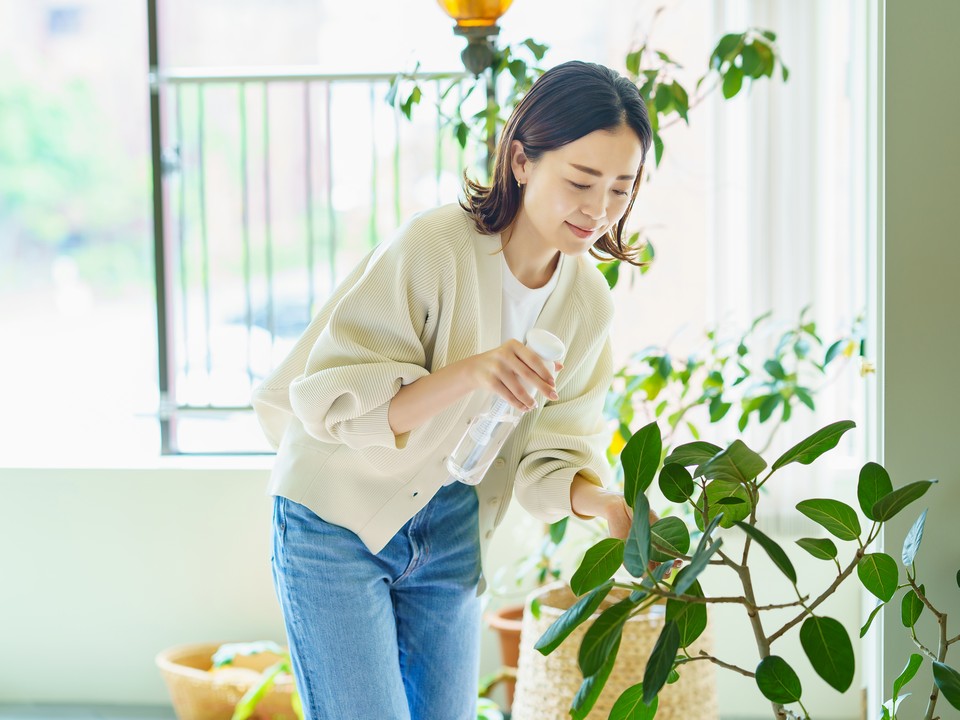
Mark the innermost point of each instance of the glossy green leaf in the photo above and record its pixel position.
(812, 447)
(636, 554)
(592, 686)
(751, 63)
(879, 574)
(828, 647)
(776, 553)
(601, 636)
(732, 500)
(948, 680)
(676, 483)
(732, 82)
(873, 614)
(873, 484)
(777, 680)
(716, 491)
(736, 464)
(821, 548)
(725, 49)
(837, 517)
(698, 563)
(571, 619)
(693, 453)
(640, 458)
(599, 564)
(558, 530)
(911, 607)
(673, 677)
(671, 535)
(909, 671)
(661, 661)
(630, 705)
(690, 617)
(892, 503)
(911, 543)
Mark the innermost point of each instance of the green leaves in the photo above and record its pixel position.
(775, 552)
(671, 535)
(948, 680)
(661, 661)
(892, 503)
(599, 564)
(820, 548)
(777, 680)
(808, 450)
(909, 671)
(838, 518)
(873, 614)
(675, 483)
(630, 705)
(828, 647)
(693, 453)
(601, 636)
(911, 543)
(689, 617)
(736, 464)
(718, 498)
(640, 459)
(636, 554)
(879, 574)
(874, 483)
(700, 560)
(911, 607)
(571, 619)
(592, 686)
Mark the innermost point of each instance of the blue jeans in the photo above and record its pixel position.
(391, 636)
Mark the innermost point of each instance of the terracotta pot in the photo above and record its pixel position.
(507, 621)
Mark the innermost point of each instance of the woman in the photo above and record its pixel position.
(378, 557)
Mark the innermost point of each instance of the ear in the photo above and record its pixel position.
(519, 162)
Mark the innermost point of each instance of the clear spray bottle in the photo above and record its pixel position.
(489, 430)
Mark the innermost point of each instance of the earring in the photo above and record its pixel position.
(519, 185)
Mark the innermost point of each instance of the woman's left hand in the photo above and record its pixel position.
(619, 518)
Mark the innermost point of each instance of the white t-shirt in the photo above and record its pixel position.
(521, 305)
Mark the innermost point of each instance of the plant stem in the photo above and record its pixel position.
(941, 649)
(704, 656)
(823, 596)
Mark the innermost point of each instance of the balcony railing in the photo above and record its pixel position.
(274, 184)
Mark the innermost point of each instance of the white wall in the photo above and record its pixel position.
(921, 297)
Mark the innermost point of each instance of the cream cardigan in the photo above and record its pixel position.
(428, 297)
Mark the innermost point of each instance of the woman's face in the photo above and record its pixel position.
(576, 193)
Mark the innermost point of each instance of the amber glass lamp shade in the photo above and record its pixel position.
(475, 13)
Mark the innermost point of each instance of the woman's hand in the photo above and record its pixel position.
(511, 368)
(619, 518)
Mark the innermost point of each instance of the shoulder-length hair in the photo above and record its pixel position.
(567, 102)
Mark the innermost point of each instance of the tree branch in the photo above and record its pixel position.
(823, 596)
(704, 656)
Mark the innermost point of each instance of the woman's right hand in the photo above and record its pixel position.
(507, 369)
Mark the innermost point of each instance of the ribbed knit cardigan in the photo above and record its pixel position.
(424, 299)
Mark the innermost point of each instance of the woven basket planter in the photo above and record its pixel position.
(198, 694)
(546, 685)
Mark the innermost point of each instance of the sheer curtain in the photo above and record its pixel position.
(788, 222)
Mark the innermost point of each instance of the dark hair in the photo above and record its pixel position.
(567, 102)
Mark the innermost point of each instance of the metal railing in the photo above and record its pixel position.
(259, 214)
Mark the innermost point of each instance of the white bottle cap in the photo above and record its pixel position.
(545, 344)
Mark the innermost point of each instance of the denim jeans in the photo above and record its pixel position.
(391, 636)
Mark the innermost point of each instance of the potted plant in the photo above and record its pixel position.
(724, 492)
(230, 681)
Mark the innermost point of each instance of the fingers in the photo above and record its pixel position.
(535, 370)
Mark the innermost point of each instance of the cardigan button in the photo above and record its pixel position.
(494, 500)
(499, 462)
(488, 534)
